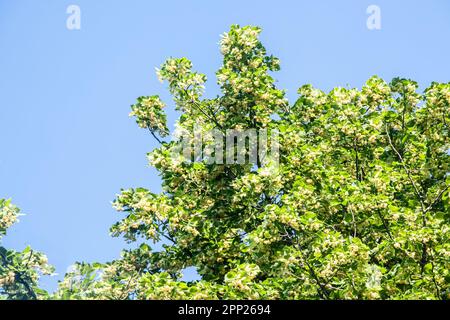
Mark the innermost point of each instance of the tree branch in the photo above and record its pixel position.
(408, 173)
(154, 136)
(436, 200)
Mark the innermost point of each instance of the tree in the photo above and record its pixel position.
(356, 206)
(19, 271)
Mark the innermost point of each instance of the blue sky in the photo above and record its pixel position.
(67, 144)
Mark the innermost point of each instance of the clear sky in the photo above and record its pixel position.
(67, 143)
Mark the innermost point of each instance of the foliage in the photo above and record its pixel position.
(356, 208)
(19, 271)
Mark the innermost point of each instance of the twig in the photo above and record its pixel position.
(406, 169)
(437, 198)
(154, 136)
